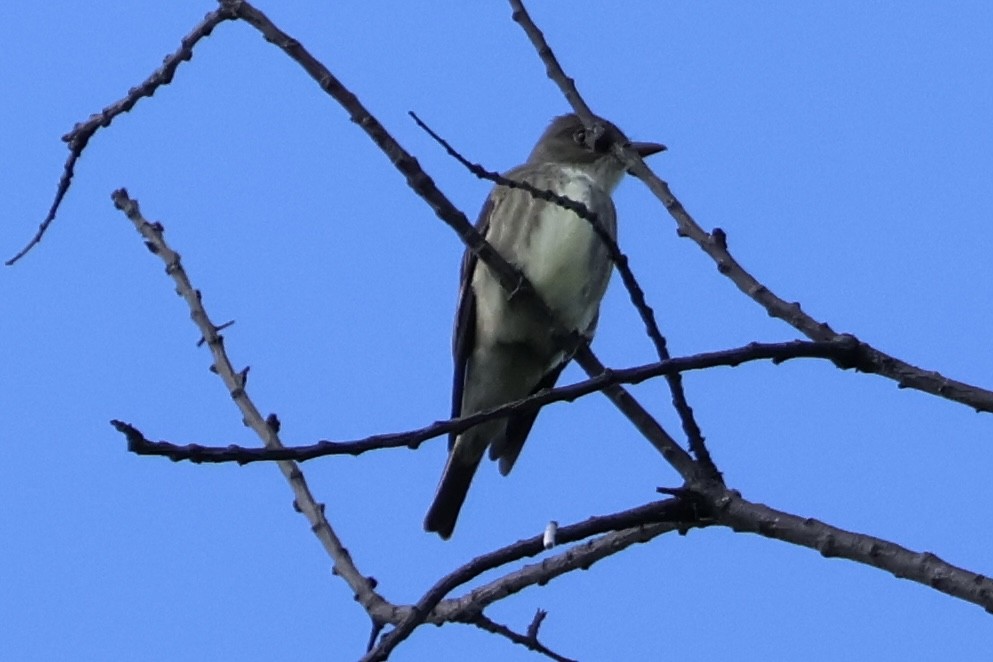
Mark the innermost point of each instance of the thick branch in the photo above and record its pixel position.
(304, 500)
(922, 567)
(715, 245)
(666, 516)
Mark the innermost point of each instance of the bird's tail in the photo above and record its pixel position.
(452, 490)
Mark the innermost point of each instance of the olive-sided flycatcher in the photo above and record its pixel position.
(502, 353)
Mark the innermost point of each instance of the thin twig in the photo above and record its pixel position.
(529, 640)
(80, 135)
(412, 439)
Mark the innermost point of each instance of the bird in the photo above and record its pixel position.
(501, 351)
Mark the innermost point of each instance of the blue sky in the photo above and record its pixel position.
(845, 147)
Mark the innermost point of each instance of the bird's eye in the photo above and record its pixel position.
(579, 136)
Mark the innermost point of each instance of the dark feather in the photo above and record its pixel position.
(464, 336)
(448, 500)
(519, 427)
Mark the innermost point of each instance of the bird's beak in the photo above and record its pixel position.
(647, 149)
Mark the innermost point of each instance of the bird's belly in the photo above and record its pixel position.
(558, 265)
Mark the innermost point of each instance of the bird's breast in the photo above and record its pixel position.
(562, 260)
(559, 253)
(557, 260)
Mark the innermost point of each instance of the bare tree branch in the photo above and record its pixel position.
(714, 244)
(80, 135)
(644, 422)
(839, 351)
(552, 68)
(922, 567)
(529, 640)
(702, 501)
(633, 526)
(304, 500)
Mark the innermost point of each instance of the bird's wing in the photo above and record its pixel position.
(464, 336)
(507, 449)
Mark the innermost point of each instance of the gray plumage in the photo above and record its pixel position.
(502, 353)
